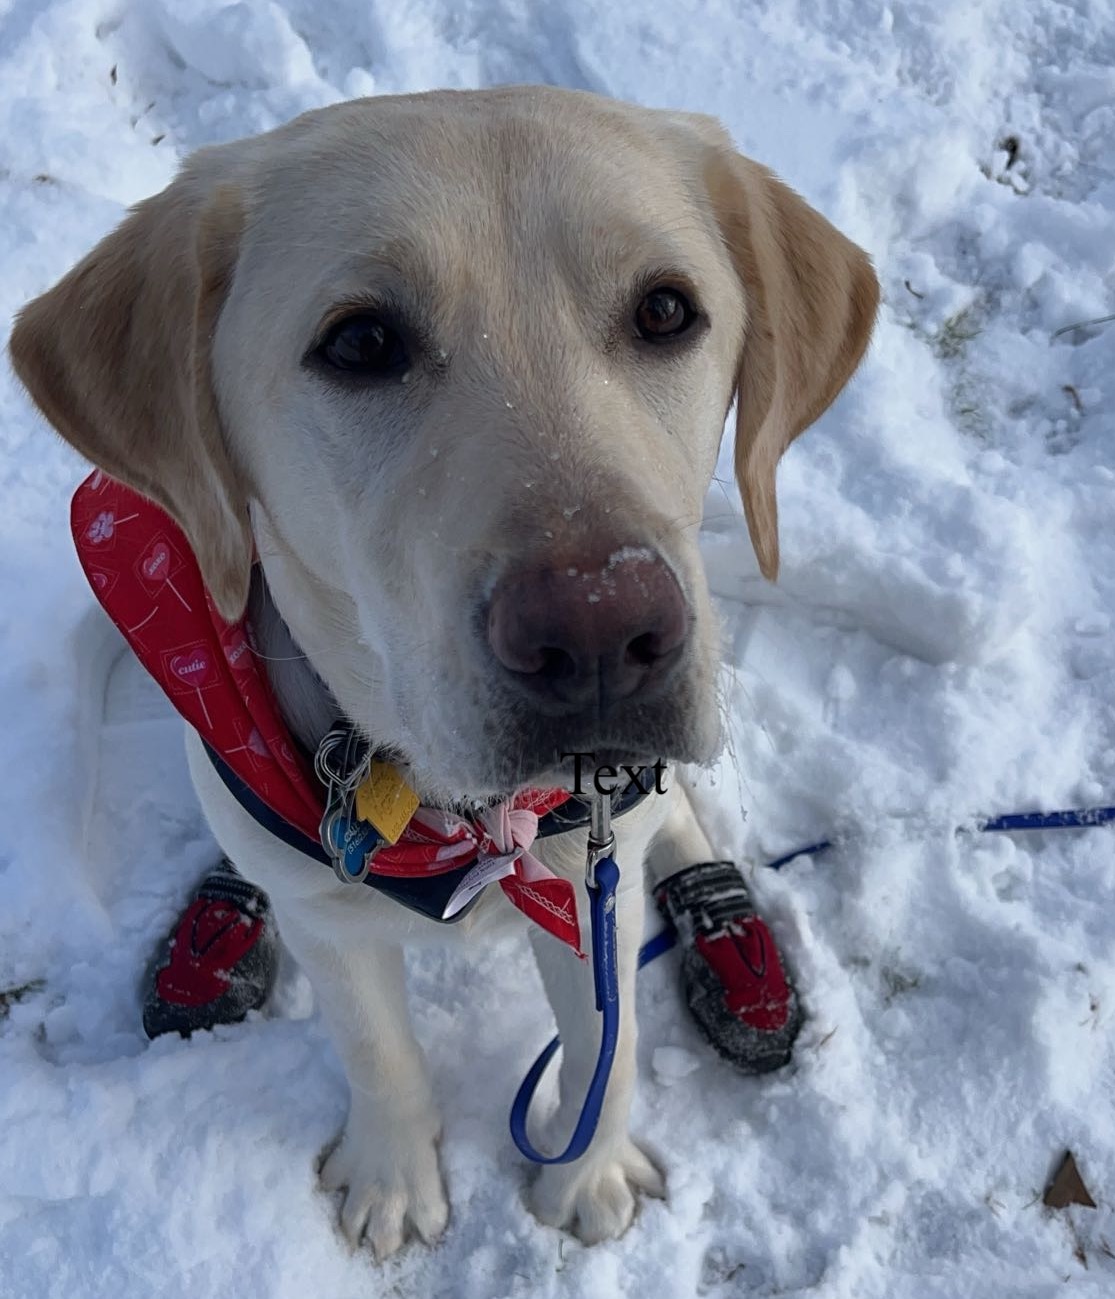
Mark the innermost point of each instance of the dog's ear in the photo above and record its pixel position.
(117, 357)
(811, 297)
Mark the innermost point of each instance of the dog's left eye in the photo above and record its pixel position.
(664, 314)
(364, 344)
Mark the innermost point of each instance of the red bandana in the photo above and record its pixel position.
(143, 572)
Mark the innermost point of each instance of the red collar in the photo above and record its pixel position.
(143, 572)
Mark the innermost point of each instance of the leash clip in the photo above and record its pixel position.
(601, 840)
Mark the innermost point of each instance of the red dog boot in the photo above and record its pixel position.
(218, 962)
(735, 982)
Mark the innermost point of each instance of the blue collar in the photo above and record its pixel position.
(427, 895)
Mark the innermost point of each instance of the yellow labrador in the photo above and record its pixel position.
(455, 366)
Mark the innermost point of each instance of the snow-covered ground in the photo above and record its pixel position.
(940, 645)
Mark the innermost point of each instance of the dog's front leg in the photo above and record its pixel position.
(595, 1195)
(386, 1160)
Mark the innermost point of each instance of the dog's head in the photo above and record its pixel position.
(456, 366)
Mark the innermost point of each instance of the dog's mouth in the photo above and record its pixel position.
(583, 762)
(514, 742)
(540, 753)
(622, 773)
(533, 752)
(602, 770)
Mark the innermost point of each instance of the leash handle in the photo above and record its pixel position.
(602, 909)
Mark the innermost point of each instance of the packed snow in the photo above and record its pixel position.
(939, 647)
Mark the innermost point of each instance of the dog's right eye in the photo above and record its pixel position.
(364, 344)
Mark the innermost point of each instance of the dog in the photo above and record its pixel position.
(435, 384)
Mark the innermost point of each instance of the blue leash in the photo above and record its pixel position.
(602, 880)
(1070, 819)
(602, 909)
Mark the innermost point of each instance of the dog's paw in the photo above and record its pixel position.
(595, 1199)
(391, 1182)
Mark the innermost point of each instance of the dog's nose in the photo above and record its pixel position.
(590, 632)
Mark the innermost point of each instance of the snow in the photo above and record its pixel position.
(939, 647)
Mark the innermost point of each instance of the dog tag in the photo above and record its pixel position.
(351, 843)
(385, 800)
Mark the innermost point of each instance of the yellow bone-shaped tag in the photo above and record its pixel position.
(386, 800)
